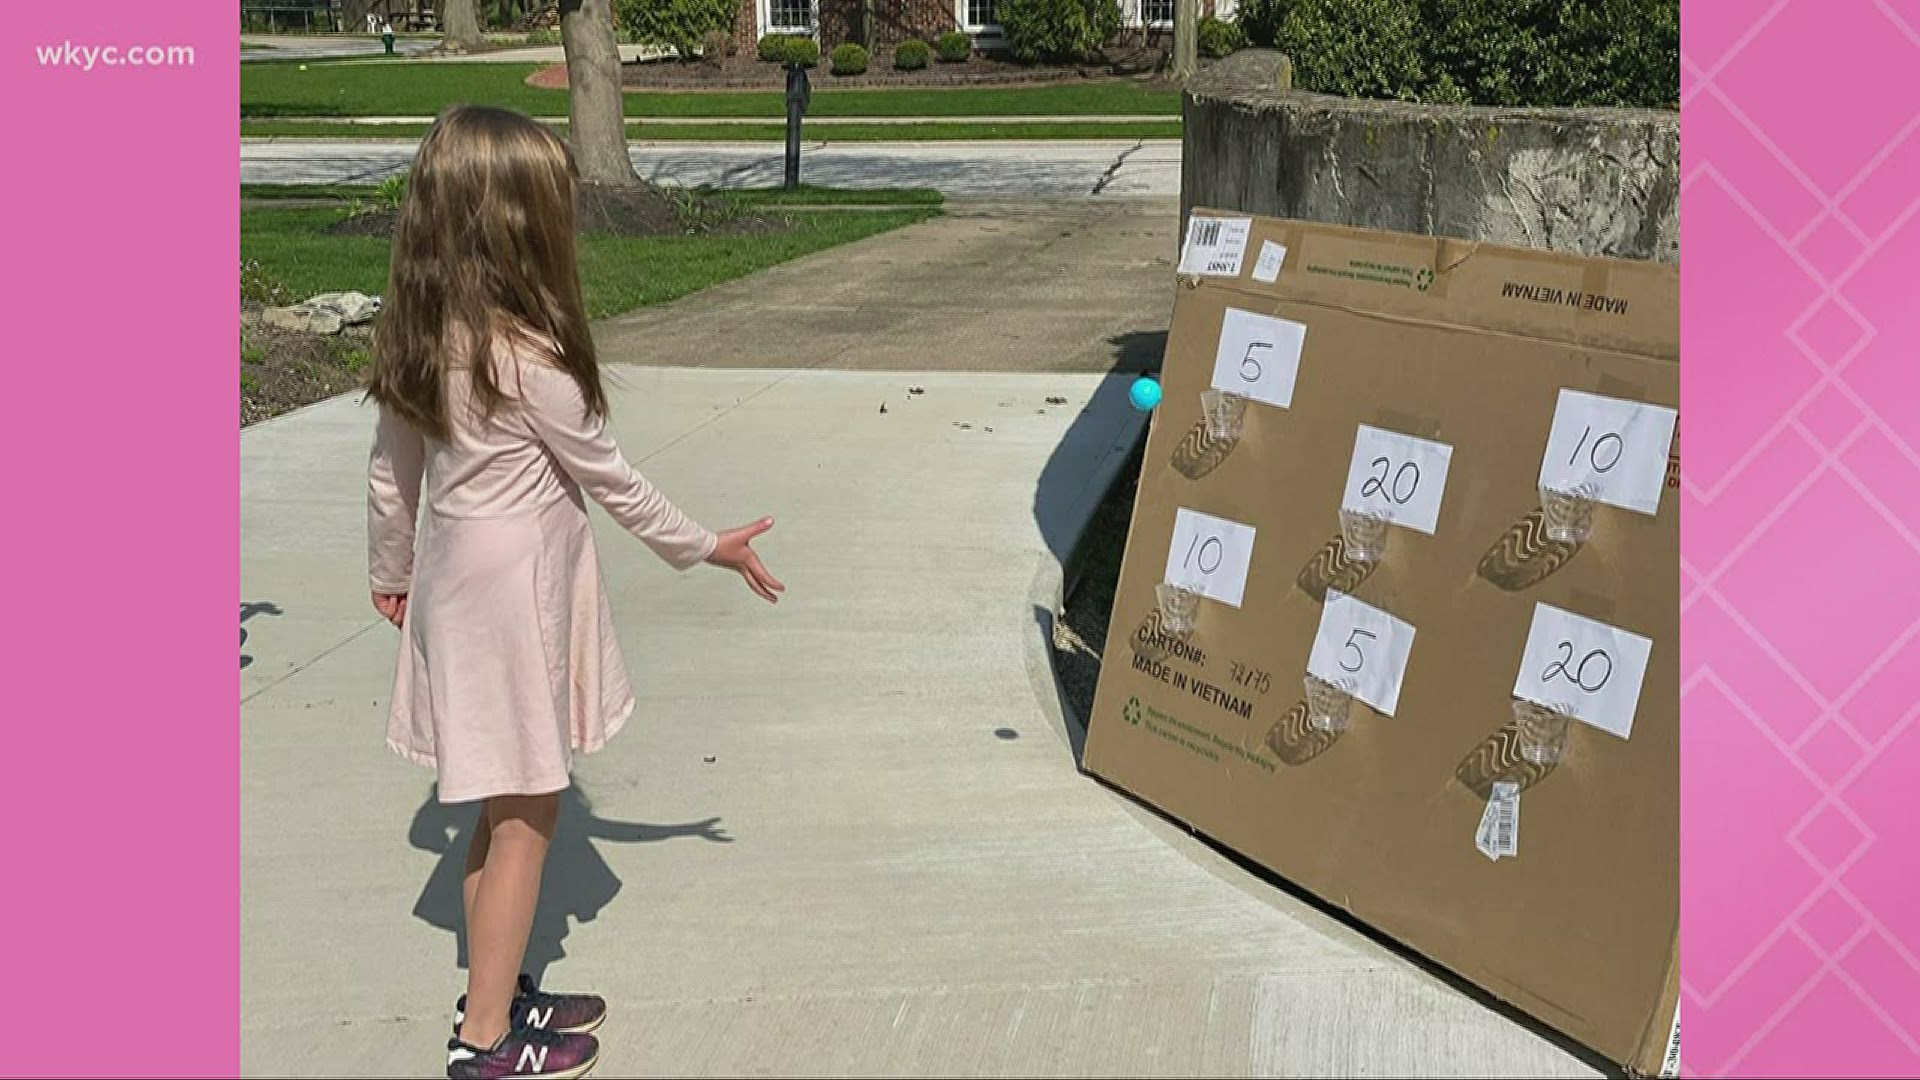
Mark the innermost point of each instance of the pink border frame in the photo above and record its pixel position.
(121, 899)
(1800, 576)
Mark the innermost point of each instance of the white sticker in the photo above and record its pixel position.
(1398, 477)
(1210, 555)
(1258, 356)
(1361, 644)
(1671, 1066)
(1616, 449)
(1499, 833)
(1266, 268)
(1215, 246)
(1585, 669)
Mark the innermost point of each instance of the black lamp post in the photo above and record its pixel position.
(799, 95)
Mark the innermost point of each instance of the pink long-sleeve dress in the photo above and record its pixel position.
(508, 660)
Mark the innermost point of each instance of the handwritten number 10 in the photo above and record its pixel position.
(1213, 544)
(1593, 454)
(1578, 676)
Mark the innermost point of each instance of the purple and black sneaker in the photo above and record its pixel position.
(568, 1014)
(527, 1052)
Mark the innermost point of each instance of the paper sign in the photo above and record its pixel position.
(1215, 246)
(1266, 268)
(1499, 833)
(1585, 669)
(1210, 555)
(1361, 645)
(1258, 356)
(1615, 449)
(1398, 477)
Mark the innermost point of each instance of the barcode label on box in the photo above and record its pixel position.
(1215, 246)
(1500, 823)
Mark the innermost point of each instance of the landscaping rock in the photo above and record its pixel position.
(325, 313)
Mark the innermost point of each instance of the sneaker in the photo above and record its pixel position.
(568, 1014)
(523, 1052)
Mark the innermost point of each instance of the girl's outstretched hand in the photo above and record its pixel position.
(391, 606)
(735, 552)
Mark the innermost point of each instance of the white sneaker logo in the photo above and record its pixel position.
(538, 1019)
(532, 1059)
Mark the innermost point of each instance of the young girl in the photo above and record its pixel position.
(490, 399)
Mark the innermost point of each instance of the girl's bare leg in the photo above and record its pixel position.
(520, 829)
(477, 844)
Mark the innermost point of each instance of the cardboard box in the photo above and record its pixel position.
(1468, 346)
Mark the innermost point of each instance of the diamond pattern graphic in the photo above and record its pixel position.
(1801, 537)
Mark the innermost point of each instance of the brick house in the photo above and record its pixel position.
(835, 21)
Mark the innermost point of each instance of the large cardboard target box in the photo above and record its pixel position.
(1435, 383)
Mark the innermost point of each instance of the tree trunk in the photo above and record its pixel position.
(1186, 39)
(461, 32)
(596, 111)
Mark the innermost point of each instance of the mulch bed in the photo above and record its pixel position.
(749, 72)
(281, 370)
(619, 211)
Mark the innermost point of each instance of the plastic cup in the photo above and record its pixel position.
(1329, 705)
(1569, 514)
(1225, 412)
(1364, 535)
(1542, 730)
(1178, 606)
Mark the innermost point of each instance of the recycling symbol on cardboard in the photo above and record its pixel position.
(1423, 279)
(1132, 711)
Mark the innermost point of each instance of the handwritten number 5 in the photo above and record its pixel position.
(1359, 658)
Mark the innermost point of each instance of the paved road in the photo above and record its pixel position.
(846, 835)
(1061, 169)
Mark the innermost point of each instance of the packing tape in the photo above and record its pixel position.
(1421, 424)
(1615, 387)
(1592, 605)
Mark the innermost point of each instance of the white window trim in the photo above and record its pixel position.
(960, 19)
(1137, 18)
(764, 17)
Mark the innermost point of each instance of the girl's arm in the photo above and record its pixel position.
(581, 444)
(393, 503)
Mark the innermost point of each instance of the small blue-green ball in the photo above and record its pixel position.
(1145, 393)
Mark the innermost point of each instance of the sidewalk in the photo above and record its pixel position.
(381, 121)
(847, 834)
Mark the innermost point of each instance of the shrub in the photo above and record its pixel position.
(849, 59)
(1485, 52)
(773, 47)
(1219, 37)
(803, 51)
(912, 55)
(1259, 21)
(716, 46)
(1058, 31)
(955, 46)
(681, 24)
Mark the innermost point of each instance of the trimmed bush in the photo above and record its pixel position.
(1058, 31)
(912, 55)
(1558, 53)
(1219, 37)
(681, 24)
(849, 59)
(955, 47)
(803, 51)
(789, 48)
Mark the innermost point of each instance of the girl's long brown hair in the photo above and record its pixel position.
(483, 251)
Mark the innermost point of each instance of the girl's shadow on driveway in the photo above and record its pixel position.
(577, 883)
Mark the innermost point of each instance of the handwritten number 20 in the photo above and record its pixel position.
(1407, 476)
(1578, 676)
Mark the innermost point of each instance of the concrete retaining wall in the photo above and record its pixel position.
(1589, 181)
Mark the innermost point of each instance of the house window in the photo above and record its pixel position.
(789, 16)
(1156, 12)
(978, 15)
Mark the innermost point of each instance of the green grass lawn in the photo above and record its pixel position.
(813, 130)
(804, 195)
(619, 273)
(423, 89)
